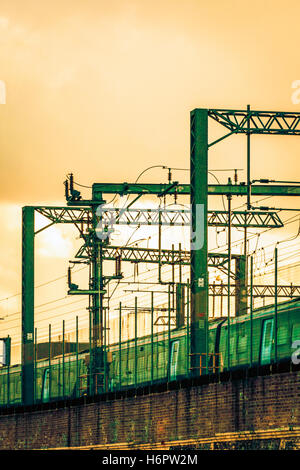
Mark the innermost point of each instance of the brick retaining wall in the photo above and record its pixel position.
(198, 410)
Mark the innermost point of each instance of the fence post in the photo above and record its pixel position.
(90, 384)
(63, 357)
(135, 342)
(120, 345)
(251, 311)
(50, 375)
(276, 303)
(228, 278)
(77, 371)
(8, 385)
(35, 371)
(169, 332)
(188, 330)
(152, 308)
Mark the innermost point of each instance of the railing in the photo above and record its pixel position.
(98, 382)
(204, 361)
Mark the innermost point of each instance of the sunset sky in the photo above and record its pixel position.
(104, 89)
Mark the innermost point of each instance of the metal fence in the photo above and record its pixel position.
(135, 354)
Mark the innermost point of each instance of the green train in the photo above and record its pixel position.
(164, 356)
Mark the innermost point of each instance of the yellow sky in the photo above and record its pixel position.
(104, 89)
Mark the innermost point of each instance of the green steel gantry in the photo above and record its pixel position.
(83, 214)
(246, 122)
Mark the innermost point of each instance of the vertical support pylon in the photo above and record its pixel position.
(180, 302)
(240, 283)
(27, 305)
(199, 251)
(96, 362)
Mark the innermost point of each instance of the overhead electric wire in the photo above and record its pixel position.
(78, 184)
(241, 240)
(61, 277)
(42, 285)
(167, 270)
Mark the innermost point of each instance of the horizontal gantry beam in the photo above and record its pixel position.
(65, 215)
(156, 256)
(290, 291)
(257, 122)
(213, 189)
(176, 217)
(180, 217)
(221, 290)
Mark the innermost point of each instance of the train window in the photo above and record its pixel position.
(2, 353)
(296, 332)
(267, 333)
(18, 386)
(161, 359)
(232, 344)
(266, 343)
(124, 367)
(130, 366)
(2, 389)
(72, 377)
(174, 359)
(242, 339)
(45, 386)
(116, 366)
(242, 344)
(211, 342)
(141, 364)
(282, 335)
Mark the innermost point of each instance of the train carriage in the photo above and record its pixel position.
(163, 356)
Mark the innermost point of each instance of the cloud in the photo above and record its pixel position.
(4, 22)
(54, 244)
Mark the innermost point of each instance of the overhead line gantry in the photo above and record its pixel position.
(83, 214)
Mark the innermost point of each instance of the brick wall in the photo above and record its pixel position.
(241, 407)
